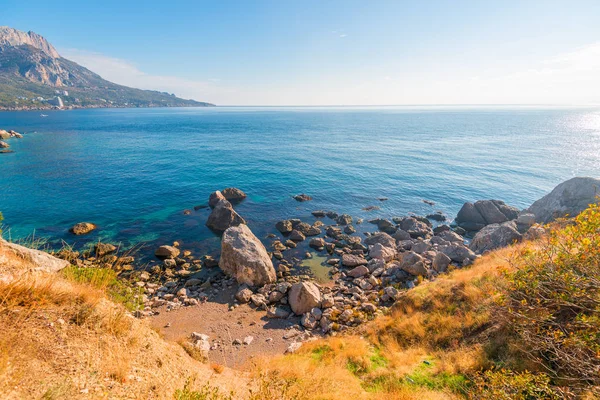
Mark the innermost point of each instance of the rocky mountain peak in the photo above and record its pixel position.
(13, 37)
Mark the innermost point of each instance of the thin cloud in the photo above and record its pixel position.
(126, 73)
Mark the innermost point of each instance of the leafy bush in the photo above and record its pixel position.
(552, 303)
(508, 385)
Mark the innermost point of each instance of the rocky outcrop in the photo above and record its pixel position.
(303, 297)
(245, 258)
(473, 217)
(82, 228)
(14, 37)
(569, 198)
(4, 145)
(223, 216)
(39, 260)
(495, 236)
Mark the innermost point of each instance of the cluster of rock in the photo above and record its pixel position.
(494, 224)
(4, 135)
(367, 275)
(223, 215)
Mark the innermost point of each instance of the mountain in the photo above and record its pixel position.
(33, 75)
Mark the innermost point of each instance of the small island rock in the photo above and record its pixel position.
(82, 228)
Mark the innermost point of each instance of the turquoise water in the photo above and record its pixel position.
(134, 171)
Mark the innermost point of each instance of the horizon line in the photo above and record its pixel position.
(416, 105)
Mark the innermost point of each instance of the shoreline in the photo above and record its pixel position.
(198, 300)
(70, 108)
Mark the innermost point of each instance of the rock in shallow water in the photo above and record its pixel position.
(233, 194)
(215, 198)
(82, 228)
(167, 252)
(302, 197)
(223, 216)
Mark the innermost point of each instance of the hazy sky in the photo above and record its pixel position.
(328, 52)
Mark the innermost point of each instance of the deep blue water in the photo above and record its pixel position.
(134, 171)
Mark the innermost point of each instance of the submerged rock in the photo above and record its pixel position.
(344, 219)
(436, 216)
(245, 258)
(302, 197)
(82, 228)
(297, 236)
(102, 249)
(284, 226)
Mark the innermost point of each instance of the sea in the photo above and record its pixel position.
(135, 172)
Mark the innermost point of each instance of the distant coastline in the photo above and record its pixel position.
(97, 106)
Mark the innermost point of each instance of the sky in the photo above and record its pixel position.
(330, 52)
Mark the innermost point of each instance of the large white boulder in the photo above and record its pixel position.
(569, 198)
(245, 258)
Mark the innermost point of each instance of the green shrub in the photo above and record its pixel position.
(509, 385)
(552, 303)
(106, 279)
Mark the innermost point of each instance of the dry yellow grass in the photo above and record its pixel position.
(435, 335)
(66, 340)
